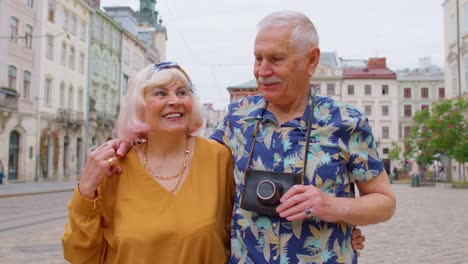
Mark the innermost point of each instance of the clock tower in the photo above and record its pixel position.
(147, 12)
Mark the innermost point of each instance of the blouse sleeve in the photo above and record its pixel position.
(230, 190)
(83, 240)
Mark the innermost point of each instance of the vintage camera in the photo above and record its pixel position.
(263, 190)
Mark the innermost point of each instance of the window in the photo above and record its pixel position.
(452, 29)
(368, 110)
(384, 110)
(125, 55)
(50, 47)
(125, 83)
(105, 29)
(384, 89)
(83, 31)
(26, 84)
(453, 72)
(466, 72)
(441, 92)
(28, 36)
(70, 97)
(424, 92)
(73, 24)
(71, 58)
(95, 63)
(407, 111)
(317, 88)
(350, 89)
(367, 89)
(12, 72)
(385, 150)
(330, 89)
(51, 13)
(406, 131)
(80, 100)
(407, 93)
(14, 22)
(30, 3)
(65, 20)
(465, 18)
(115, 42)
(62, 95)
(385, 132)
(47, 90)
(97, 27)
(63, 54)
(81, 63)
(425, 107)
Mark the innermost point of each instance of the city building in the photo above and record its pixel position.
(418, 89)
(212, 118)
(19, 47)
(63, 75)
(105, 72)
(62, 88)
(374, 90)
(456, 62)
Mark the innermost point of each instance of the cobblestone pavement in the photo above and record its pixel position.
(429, 226)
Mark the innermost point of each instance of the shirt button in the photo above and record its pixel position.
(274, 224)
(275, 257)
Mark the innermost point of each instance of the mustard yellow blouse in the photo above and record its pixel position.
(136, 220)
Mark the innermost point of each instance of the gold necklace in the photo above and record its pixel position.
(177, 177)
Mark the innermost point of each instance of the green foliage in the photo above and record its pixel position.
(394, 153)
(444, 129)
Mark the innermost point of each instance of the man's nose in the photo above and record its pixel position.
(264, 68)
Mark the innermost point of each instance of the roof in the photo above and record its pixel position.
(250, 84)
(329, 59)
(376, 68)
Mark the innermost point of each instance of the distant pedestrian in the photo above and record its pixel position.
(2, 174)
(395, 172)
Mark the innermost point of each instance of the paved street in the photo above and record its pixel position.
(430, 226)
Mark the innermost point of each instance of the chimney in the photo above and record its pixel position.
(94, 3)
(377, 63)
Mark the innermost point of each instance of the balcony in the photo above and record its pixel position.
(69, 117)
(105, 119)
(8, 100)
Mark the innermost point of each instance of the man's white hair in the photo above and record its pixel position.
(304, 35)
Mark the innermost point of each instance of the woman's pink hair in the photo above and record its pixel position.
(130, 123)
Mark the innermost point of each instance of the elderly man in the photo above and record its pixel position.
(315, 218)
(313, 221)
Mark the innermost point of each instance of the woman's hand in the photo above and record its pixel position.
(357, 240)
(100, 161)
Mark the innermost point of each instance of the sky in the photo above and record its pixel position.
(213, 39)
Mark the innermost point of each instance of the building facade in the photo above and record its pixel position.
(105, 72)
(456, 61)
(18, 74)
(61, 82)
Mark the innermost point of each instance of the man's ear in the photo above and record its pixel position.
(313, 56)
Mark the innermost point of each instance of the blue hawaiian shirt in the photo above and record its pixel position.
(342, 150)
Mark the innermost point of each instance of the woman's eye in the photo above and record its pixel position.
(181, 93)
(159, 93)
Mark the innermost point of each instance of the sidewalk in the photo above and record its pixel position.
(30, 188)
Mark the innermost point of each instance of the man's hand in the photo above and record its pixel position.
(300, 198)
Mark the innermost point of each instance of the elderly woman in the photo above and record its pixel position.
(172, 201)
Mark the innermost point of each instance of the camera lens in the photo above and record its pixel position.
(269, 192)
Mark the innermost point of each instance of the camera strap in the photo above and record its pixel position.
(309, 126)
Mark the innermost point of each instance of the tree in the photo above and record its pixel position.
(443, 129)
(395, 152)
